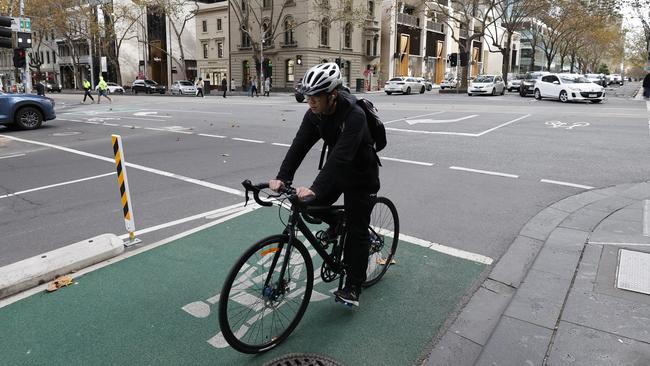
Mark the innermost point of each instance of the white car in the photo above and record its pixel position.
(487, 84)
(615, 79)
(567, 87)
(183, 87)
(449, 83)
(427, 84)
(113, 88)
(404, 85)
(596, 79)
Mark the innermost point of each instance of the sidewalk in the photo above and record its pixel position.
(553, 298)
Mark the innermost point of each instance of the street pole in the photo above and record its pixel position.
(261, 81)
(26, 75)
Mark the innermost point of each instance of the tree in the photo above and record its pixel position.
(476, 15)
(119, 21)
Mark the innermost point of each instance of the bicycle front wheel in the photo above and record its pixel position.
(384, 236)
(266, 294)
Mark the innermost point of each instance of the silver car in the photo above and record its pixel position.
(487, 84)
(183, 87)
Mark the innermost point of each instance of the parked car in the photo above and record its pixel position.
(25, 111)
(147, 86)
(514, 82)
(51, 87)
(597, 79)
(113, 88)
(568, 87)
(487, 84)
(449, 83)
(404, 85)
(182, 87)
(427, 83)
(528, 82)
(615, 79)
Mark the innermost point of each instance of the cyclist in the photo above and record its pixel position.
(351, 167)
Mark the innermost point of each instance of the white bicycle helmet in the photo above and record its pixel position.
(321, 78)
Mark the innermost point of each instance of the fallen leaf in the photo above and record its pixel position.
(59, 282)
(382, 261)
(225, 155)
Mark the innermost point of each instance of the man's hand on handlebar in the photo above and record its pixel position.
(304, 193)
(276, 185)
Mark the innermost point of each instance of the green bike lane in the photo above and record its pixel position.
(160, 307)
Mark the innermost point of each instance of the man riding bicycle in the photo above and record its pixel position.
(351, 167)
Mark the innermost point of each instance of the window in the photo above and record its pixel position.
(325, 32)
(368, 48)
(266, 28)
(220, 49)
(375, 45)
(53, 57)
(245, 39)
(52, 35)
(348, 35)
(267, 3)
(290, 65)
(219, 24)
(288, 30)
(205, 50)
(204, 26)
(246, 72)
(42, 59)
(243, 6)
(48, 56)
(371, 9)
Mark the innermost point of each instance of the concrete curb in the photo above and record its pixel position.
(45, 267)
(534, 273)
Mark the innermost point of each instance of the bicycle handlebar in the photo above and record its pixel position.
(287, 190)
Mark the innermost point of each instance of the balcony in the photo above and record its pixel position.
(290, 44)
(435, 27)
(407, 19)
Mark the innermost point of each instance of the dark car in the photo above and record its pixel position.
(527, 86)
(25, 111)
(51, 87)
(147, 87)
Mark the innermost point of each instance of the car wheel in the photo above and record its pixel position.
(422, 90)
(503, 91)
(596, 101)
(537, 94)
(442, 88)
(494, 91)
(389, 93)
(135, 92)
(469, 94)
(408, 90)
(28, 118)
(564, 97)
(429, 88)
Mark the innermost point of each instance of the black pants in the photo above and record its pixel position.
(199, 91)
(224, 91)
(87, 94)
(358, 205)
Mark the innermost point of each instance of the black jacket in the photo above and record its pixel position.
(351, 164)
(646, 81)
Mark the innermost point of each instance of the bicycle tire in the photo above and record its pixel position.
(381, 215)
(235, 303)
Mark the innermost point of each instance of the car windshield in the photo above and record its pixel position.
(185, 83)
(396, 79)
(574, 79)
(151, 82)
(484, 79)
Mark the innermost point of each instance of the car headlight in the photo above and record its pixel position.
(573, 88)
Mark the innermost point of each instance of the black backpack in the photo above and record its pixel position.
(377, 129)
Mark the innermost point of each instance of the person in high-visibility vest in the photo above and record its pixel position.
(102, 87)
(87, 86)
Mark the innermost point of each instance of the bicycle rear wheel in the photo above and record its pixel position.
(384, 236)
(257, 308)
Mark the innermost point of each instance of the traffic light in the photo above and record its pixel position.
(299, 59)
(463, 58)
(453, 60)
(23, 40)
(5, 33)
(19, 58)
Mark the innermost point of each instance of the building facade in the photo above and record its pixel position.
(308, 33)
(213, 43)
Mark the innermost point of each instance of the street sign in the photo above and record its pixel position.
(21, 25)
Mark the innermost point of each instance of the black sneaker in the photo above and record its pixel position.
(349, 296)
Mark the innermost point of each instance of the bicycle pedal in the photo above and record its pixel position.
(336, 299)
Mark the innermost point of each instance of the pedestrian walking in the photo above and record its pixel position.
(254, 88)
(87, 86)
(646, 86)
(224, 86)
(102, 87)
(267, 87)
(232, 84)
(199, 87)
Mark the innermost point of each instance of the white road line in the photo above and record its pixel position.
(454, 252)
(560, 183)
(502, 125)
(406, 161)
(432, 132)
(247, 140)
(75, 120)
(422, 115)
(619, 244)
(215, 136)
(190, 111)
(11, 156)
(183, 132)
(434, 121)
(156, 129)
(110, 124)
(648, 107)
(216, 187)
(646, 218)
(484, 172)
(279, 144)
(56, 185)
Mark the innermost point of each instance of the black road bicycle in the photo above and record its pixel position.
(268, 289)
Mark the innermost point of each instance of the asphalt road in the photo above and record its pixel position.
(465, 172)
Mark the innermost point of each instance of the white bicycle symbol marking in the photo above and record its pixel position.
(565, 125)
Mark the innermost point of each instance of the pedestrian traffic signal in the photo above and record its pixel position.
(299, 59)
(453, 60)
(19, 58)
(6, 40)
(23, 40)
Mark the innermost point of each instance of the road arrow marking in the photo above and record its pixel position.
(150, 114)
(416, 121)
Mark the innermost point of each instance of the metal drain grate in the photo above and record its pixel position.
(633, 272)
(303, 359)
